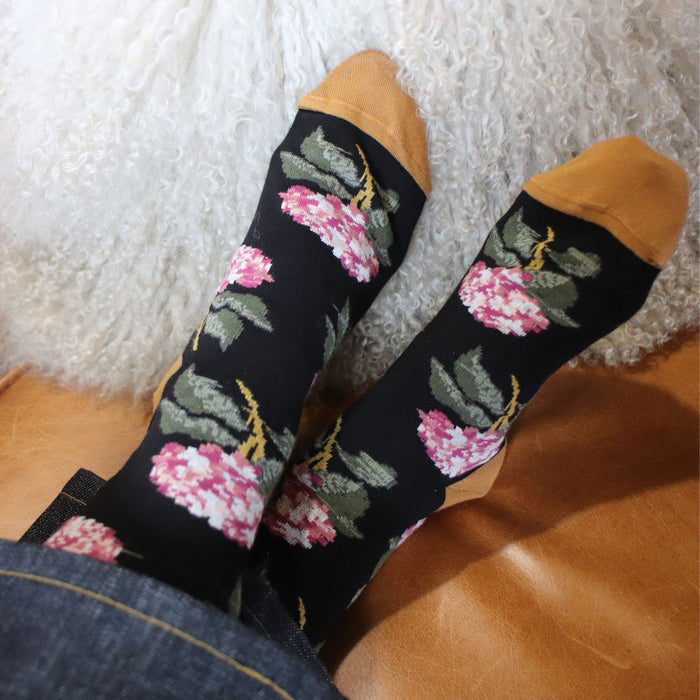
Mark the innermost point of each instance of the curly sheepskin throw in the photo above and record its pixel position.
(135, 137)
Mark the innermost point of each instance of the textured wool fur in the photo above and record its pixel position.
(135, 137)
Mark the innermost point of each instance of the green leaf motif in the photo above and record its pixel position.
(335, 334)
(552, 289)
(224, 325)
(330, 343)
(334, 171)
(390, 199)
(204, 396)
(347, 500)
(577, 263)
(555, 293)
(298, 168)
(380, 233)
(444, 389)
(494, 249)
(343, 321)
(519, 236)
(476, 417)
(271, 471)
(249, 306)
(284, 441)
(476, 383)
(559, 316)
(235, 600)
(330, 158)
(367, 469)
(174, 419)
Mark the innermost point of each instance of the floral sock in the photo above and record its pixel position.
(341, 198)
(571, 260)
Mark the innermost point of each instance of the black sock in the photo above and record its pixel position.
(342, 195)
(571, 260)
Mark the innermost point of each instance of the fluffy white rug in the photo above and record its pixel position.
(135, 136)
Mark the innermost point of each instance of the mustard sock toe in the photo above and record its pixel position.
(363, 90)
(627, 187)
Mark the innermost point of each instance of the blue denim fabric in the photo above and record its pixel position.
(72, 627)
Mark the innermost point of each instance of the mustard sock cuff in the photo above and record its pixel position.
(363, 90)
(630, 189)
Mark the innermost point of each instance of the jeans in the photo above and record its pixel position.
(73, 627)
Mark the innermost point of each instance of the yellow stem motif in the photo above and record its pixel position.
(256, 440)
(511, 408)
(195, 344)
(320, 460)
(132, 554)
(200, 328)
(538, 251)
(302, 613)
(363, 199)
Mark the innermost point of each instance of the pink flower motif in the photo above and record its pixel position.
(212, 484)
(409, 531)
(496, 297)
(340, 226)
(456, 451)
(86, 536)
(249, 268)
(296, 516)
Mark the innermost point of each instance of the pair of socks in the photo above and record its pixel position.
(209, 491)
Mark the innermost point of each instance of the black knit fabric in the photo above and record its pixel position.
(544, 287)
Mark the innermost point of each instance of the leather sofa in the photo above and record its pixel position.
(575, 576)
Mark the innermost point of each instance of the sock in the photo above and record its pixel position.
(572, 259)
(341, 198)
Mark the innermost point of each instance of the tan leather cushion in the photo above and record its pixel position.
(47, 433)
(575, 577)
